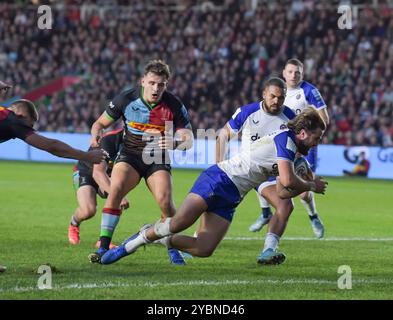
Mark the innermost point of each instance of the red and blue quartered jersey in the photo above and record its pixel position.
(140, 118)
(11, 126)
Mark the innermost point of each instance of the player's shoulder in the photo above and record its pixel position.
(249, 109)
(285, 138)
(283, 134)
(172, 100)
(125, 97)
(312, 94)
(288, 112)
(307, 86)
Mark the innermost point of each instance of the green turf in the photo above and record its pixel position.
(37, 201)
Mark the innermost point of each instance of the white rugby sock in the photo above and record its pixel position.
(74, 222)
(161, 229)
(163, 241)
(271, 241)
(262, 201)
(310, 205)
(134, 244)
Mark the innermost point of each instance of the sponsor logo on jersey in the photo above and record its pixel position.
(316, 95)
(146, 126)
(255, 137)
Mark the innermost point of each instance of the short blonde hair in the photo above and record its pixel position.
(309, 120)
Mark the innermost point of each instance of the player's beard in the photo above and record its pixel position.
(274, 111)
(302, 148)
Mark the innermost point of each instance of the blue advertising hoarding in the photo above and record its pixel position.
(332, 159)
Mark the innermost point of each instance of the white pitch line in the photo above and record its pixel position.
(196, 283)
(312, 239)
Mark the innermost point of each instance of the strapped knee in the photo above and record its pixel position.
(161, 229)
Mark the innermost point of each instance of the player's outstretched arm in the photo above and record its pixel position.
(63, 150)
(289, 185)
(103, 122)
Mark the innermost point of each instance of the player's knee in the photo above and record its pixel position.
(205, 251)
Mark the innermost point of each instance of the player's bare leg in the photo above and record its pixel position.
(87, 206)
(191, 209)
(160, 185)
(277, 225)
(308, 201)
(211, 231)
(124, 178)
(265, 215)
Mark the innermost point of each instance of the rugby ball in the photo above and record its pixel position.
(302, 169)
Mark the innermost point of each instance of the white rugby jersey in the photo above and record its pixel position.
(250, 167)
(302, 96)
(254, 122)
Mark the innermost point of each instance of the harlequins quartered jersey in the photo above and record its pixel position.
(11, 126)
(140, 118)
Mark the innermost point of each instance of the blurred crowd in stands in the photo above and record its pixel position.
(219, 59)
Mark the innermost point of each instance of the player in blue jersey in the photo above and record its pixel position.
(220, 189)
(300, 95)
(254, 121)
(148, 111)
(257, 119)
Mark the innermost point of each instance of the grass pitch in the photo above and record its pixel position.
(37, 201)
